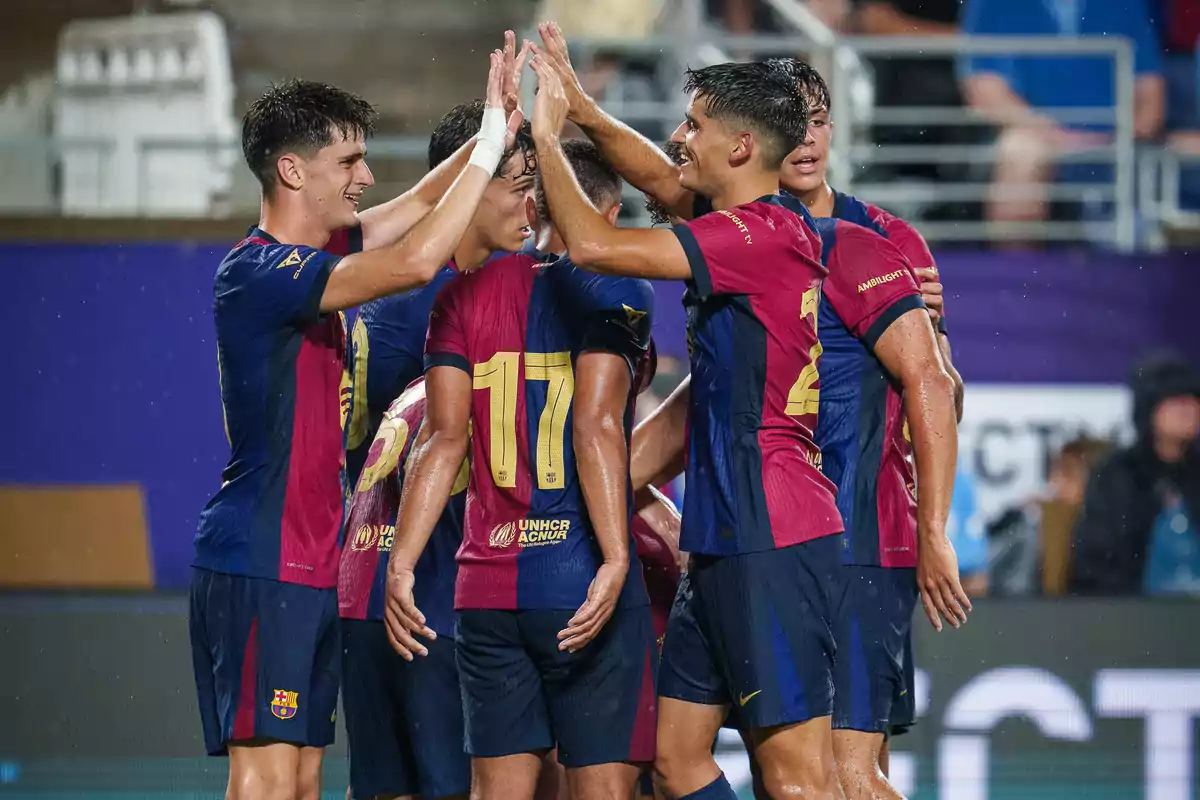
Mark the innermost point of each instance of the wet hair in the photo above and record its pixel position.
(461, 124)
(759, 97)
(659, 215)
(599, 181)
(300, 116)
(816, 91)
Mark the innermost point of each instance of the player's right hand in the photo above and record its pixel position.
(495, 97)
(602, 597)
(556, 55)
(942, 594)
(404, 621)
(931, 290)
(550, 106)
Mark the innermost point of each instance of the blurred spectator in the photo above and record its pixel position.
(1012, 92)
(1138, 530)
(1032, 534)
(964, 529)
(916, 82)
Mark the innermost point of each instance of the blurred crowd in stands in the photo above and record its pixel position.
(1015, 100)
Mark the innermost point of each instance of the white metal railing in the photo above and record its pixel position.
(1145, 183)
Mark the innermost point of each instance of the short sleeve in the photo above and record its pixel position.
(279, 284)
(614, 314)
(446, 342)
(913, 247)
(870, 284)
(733, 252)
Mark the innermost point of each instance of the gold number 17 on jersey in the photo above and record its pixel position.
(499, 375)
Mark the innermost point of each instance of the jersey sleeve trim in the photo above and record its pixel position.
(355, 239)
(941, 326)
(695, 256)
(312, 310)
(890, 315)
(447, 360)
(610, 332)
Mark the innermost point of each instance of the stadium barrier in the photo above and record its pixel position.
(1031, 700)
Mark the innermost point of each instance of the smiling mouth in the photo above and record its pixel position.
(353, 198)
(806, 161)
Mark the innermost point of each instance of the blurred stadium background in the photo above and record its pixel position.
(121, 185)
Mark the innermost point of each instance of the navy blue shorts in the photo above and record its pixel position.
(873, 674)
(754, 632)
(267, 660)
(403, 718)
(521, 694)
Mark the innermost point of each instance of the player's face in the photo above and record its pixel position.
(334, 180)
(502, 219)
(804, 169)
(704, 147)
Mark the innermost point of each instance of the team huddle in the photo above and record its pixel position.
(449, 515)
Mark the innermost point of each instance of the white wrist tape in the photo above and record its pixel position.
(489, 144)
(494, 125)
(487, 154)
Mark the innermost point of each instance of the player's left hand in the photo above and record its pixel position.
(602, 597)
(401, 616)
(941, 590)
(550, 107)
(931, 290)
(514, 65)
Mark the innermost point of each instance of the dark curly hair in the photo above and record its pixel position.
(462, 122)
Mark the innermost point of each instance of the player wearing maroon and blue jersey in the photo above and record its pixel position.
(750, 627)
(554, 637)
(402, 717)
(388, 341)
(263, 617)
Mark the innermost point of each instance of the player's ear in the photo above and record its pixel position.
(531, 212)
(743, 147)
(290, 171)
(612, 214)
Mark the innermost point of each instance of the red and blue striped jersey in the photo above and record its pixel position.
(387, 353)
(861, 429)
(285, 394)
(371, 525)
(516, 326)
(753, 472)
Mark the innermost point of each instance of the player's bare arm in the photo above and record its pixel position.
(660, 441)
(387, 223)
(602, 384)
(933, 294)
(593, 243)
(663, 519)
(636, 158)
(416, 258)
(437, 458)
(908, 349)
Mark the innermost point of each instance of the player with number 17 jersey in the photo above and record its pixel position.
(529, 553)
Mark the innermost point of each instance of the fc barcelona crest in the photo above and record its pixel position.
(284, 703)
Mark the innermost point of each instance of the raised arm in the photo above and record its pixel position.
(415, 259)
(591, 241)
(387, 223)
(636, 158)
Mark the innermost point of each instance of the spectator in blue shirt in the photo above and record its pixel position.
(1013, 91)
(966, 532)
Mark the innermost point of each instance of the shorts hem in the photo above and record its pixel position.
(698, 698)
(877, 727)
(773, 722)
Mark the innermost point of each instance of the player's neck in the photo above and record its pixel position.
(471, 252)
(288, 224)
(547, 240)
(818, 201)
(745, 190)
